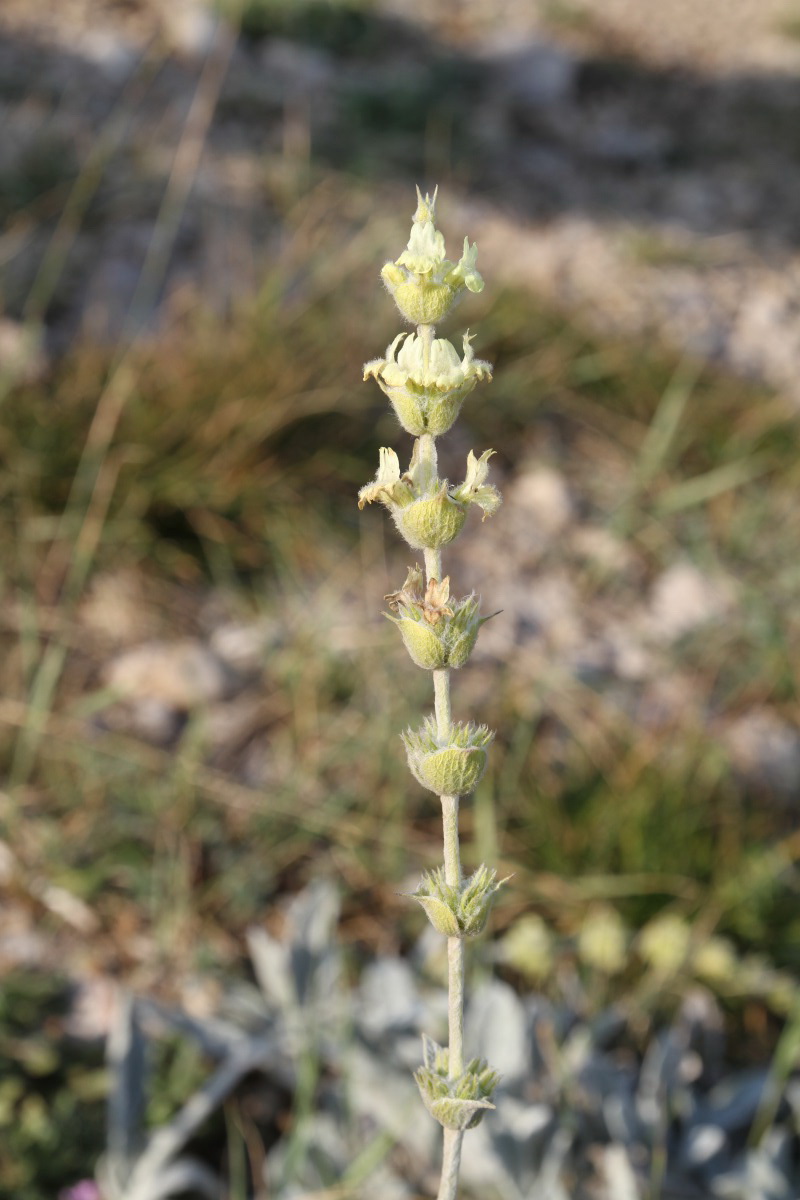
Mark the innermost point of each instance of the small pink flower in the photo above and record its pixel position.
(86, 1189)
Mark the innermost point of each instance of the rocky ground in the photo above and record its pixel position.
(638, 167)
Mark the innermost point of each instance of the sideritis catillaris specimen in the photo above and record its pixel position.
(427, 382)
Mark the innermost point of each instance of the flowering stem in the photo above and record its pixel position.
(451, 1154)
(451, 1161)
(425, 335)
(455, 945)
(441, 690)
(426, 385)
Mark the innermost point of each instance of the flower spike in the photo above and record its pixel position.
(427, 380)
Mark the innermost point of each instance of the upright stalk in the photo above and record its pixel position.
(426, 385)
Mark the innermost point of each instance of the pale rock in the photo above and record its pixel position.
(242, 645)
(630, 659)
(228, 727)
(22, 356)
(178, 675)
(8, 864)
(94, 1008)
(601, 547)
(190, 26)
(113, 53)
(544, 498)
(548, 606)
(765, 749)
(116, 608)
(70, 908)
(683, 599)
(201, 996)
(150, 719)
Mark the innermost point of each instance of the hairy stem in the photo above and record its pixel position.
(451, 1155)
(425, 335)
(451, 1161)
(455, 945)
(441, 691)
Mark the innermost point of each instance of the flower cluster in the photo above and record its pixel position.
(429, 512)
(462, 909)
(436, 634)
(427, 385)
(452, 766)
(423, 280)
(456, 1103)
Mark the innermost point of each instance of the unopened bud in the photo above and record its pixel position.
(452, 768)
(455, 1103)
(458, 910)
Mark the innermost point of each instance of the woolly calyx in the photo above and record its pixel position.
(455, 1103)
(450, 768)
(423, 281)
(427, 511)
(437, 633)
(427, 395)
(432, 521)
(462, 910)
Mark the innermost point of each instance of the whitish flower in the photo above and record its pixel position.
(474, 489)
(427, 395)
(387, 486)
(423, 281)
(427, 511)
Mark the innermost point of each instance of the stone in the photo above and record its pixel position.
(181, 675)
(765, 750)
(544, 497)
(684, 598)
(22, 356)
(242, 645)
(116, 608)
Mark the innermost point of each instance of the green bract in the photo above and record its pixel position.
(423, 281)
(457, 1103)
(452, 768)
(427, 391)
(460, 910)
(435, 635)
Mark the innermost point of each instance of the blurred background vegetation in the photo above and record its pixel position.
(200, 699)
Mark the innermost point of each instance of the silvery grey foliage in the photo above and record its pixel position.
(582, 1115)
